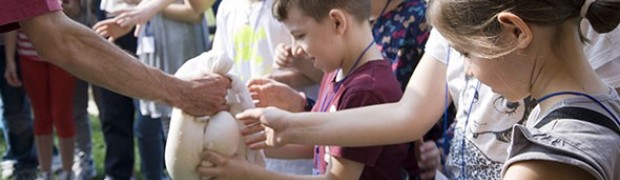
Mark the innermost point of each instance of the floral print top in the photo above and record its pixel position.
(401, 34)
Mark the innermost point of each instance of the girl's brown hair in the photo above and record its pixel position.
(469, 22)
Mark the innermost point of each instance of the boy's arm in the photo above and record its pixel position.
(291, 151)
(182, 12)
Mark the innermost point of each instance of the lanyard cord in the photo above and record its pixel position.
(446, 144)
(471, 105)
(326, 102)
(584, 95)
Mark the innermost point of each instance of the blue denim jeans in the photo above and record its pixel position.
(17, 121)
(150, 137)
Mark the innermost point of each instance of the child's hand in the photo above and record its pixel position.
(223, 167)
(270, 124)
(10, 74)
(267, 92)
(429, 159)
(284, 56)
(133, 16)
(110, 29)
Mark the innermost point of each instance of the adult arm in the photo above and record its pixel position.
(83, 53)
(407, 120)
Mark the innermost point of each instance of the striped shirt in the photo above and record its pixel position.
(25, 48)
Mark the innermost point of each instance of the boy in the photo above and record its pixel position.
(337, 37)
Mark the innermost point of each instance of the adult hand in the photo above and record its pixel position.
(222, 167)
(206, 95)
(110, 29)
(429, 160)
(268, 92)
(269, 122)
(10, 74)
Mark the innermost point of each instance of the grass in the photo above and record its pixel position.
(98, 145)
(99, 150)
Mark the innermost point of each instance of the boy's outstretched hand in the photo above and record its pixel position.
(268, 92)
(271, 125)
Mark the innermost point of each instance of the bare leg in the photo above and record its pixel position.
(44, 150)
(67, 146)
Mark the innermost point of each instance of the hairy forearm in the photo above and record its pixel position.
(83, 53)
(10, 43)
(182, 12)
(291, 151)
(405, 121)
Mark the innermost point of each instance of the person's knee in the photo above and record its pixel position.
(43, 126)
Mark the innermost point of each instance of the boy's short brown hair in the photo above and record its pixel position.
(319, 9)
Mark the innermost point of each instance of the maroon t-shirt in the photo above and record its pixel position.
(371, 83)
(13, 11)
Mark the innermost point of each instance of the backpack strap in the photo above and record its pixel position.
(582, 114)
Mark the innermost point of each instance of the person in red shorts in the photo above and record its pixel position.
(51, 91)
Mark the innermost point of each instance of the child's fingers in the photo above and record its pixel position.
(259, 145)
(252, 129)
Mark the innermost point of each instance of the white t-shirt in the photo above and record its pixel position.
(252, 45)
(489, 117)
(249, 34)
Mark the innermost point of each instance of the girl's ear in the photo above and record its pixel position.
(514, 27)
(338, 21)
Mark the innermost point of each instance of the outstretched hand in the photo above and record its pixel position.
(111, 30)
(268, 92)
(270, 123)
